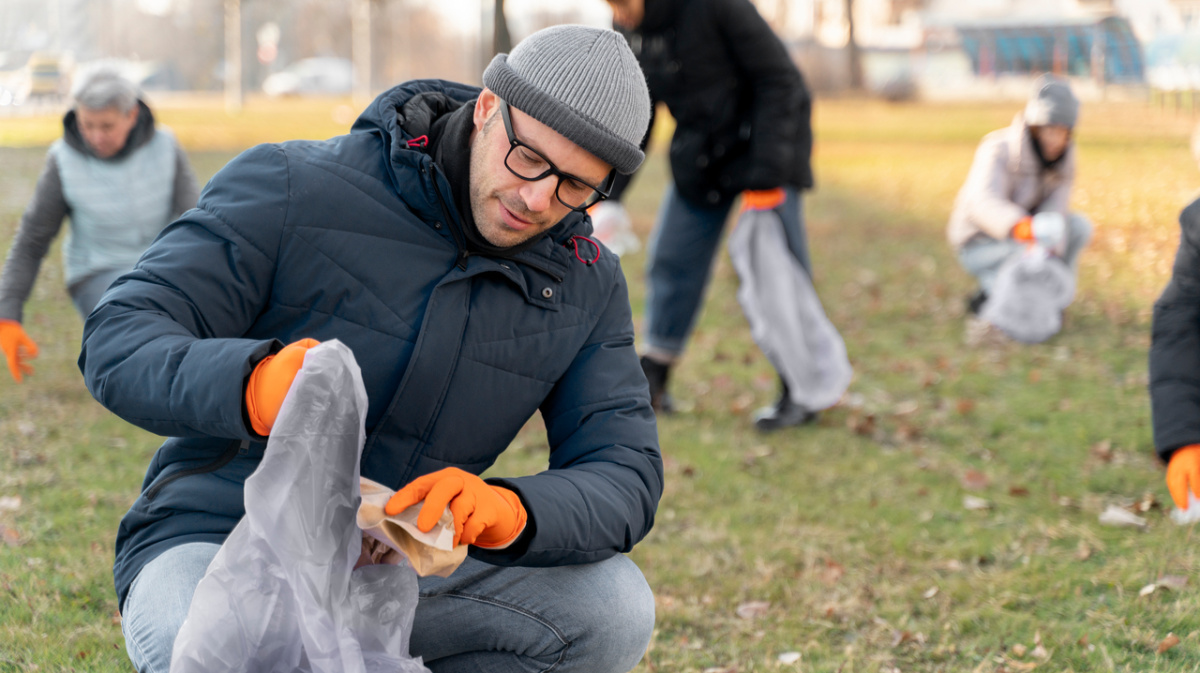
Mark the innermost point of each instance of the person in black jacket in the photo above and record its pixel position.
(1175, 365)
(742, 115)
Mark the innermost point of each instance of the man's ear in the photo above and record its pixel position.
(485, 107)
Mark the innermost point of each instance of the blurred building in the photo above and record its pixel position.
(982, 48)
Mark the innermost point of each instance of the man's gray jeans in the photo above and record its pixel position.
(596, 618)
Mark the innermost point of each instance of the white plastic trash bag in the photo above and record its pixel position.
(281, 594)
(1031, 291)
(785, 314)
(612, 227)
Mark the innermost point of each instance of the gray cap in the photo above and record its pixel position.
(584, 83)
(1051, 103)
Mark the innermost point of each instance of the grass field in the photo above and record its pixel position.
(842, 547)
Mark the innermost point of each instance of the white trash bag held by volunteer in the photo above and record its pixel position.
(785, 315)
(282, 593)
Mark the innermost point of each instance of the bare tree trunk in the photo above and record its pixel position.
(856, 72)
(501, 38)
(233, 55)
(360, 50)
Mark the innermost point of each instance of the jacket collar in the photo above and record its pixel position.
(140, 134)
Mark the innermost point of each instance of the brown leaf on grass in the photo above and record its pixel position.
(1147, 503)
(907, 433)
(11, 537)
(861, 424)
(901, 637)
(1040, 652)
(753, 609)
(1083, 641)
(974, 480)
(116, 618)
(1018, 491)
(1064, 404)
(964, 406)
(832, 572)
(1103, 451)
(1035, 375)
(1167, 643)
(1147, 590)
(688, 471)
(1019, 650)
(906, 408)
(1083, 551)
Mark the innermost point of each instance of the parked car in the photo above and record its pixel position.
(319, 75)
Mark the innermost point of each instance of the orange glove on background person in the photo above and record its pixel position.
(270, 381)
(1183, 472)
(763, 199)
(484, 515)
(1023, 230)
(17, 347)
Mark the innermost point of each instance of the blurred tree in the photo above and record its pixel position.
(856, 71)
(501, 38)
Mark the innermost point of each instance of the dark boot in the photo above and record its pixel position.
(783, 414)
(656, 375)
(976, 301)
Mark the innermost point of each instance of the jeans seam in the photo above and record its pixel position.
(519, 610)
(133, 641)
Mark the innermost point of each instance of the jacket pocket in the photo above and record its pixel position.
(220, 461)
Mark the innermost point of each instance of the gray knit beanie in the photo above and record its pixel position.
(584, 83)
(1051, 103)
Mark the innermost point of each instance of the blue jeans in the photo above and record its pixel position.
(983, 256)
(596, 617)
(681, 254)
(86, 293)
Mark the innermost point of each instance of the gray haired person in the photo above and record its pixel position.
(445, 241)
(119, 178)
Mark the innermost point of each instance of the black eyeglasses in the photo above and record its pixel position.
(529, 164)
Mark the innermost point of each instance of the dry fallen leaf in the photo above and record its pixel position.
(976, 504)
(1103, 451)
(1175, 582)
(1040, 652)
(11, 537)
(1147, 590)
(1083, 552)
(1119, 516)
(832, 572)
(1019, 650)
(930, 592)
(752, 609)
(974, 480)
(965, 406)
(788, 658)
(10, 503)
(1018, 491)
(1167, 643)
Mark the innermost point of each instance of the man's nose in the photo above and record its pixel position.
(539, 195)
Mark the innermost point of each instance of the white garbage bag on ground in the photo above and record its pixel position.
(785, 314)
(1031, 291)
(281, 594)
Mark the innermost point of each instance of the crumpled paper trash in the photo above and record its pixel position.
(431, 553)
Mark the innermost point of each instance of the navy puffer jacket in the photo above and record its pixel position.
(347, 239)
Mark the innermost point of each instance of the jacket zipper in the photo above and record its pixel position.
(222, 460)
(463, 253)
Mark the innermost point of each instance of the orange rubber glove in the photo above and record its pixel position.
(484, 515)
(270, 381)
(763, 199)
(17, 347)
(1183, 472)
(1023, 230)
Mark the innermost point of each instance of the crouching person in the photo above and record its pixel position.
(1018, 172)
(444, 240)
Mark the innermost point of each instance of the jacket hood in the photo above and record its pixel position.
(140, 134)
(408, 111)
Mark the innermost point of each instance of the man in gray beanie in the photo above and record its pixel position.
(1020, 171)
(445, 241)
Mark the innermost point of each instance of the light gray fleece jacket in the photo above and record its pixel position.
(117, 206)
(1006, 183)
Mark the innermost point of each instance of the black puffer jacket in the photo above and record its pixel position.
(741, 108)
(1175, 347)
